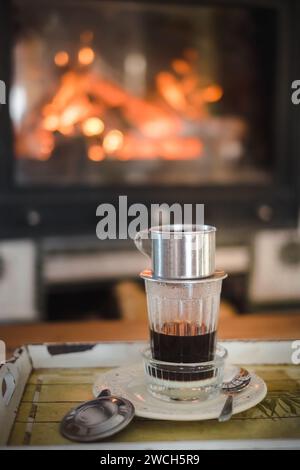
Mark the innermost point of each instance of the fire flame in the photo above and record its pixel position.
(113, 141)
(61, 59)
(96, 153)
(92, 126)
(86, 56)
(88, 105)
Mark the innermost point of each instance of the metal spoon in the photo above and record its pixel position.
(240, 381)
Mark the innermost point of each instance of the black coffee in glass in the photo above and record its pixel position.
(183, 342)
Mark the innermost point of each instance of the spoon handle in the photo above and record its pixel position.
(226, 412)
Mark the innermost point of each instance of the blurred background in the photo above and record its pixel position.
(160, 102)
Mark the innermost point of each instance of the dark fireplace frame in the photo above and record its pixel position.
(42, 211)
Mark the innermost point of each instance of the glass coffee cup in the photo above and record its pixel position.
(183, 318)
(184, 362)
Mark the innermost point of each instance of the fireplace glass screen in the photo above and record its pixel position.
(133, 93)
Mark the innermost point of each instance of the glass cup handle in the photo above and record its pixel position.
(143, 243)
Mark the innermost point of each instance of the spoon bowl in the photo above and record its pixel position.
(238, 383)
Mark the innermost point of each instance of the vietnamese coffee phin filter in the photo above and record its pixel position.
(183, 298)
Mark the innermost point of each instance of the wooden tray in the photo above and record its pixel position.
(42, 382)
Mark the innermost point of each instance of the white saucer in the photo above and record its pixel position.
(129, 382)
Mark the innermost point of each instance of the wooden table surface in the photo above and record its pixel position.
(231, 326)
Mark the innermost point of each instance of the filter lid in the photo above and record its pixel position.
(148, 275)
(97, 419)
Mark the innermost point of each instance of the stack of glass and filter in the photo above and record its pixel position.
(184, 361)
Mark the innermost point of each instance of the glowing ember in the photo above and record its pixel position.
(212, 94)
(92, 126)
(51, 122)
(173, 149)
(96, 153)
(86, 56)
(42, 145)
(190, 84)
(137, 148)
(182, 67)
(72, 114)
(171, 91)
(67, 130)
(151, 119)
(159, 127)
(113, 141)
(46, 149)
(86, 36)
(61, 59)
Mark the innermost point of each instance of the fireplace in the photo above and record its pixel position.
(142, 93)
(157, 100)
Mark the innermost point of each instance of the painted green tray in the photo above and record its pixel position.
(42, 382)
